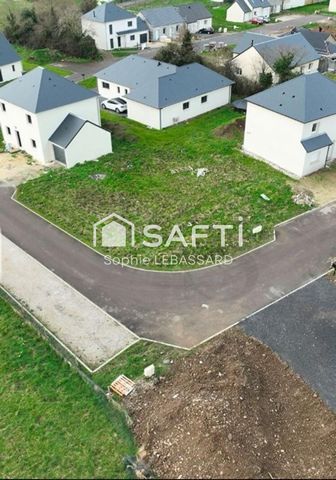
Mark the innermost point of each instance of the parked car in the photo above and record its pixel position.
(118, 105)
(257, 20)
(266, 19)
(206, 31)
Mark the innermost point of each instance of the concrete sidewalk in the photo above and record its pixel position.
(85, 329)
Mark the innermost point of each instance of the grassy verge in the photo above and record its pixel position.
(90, 83)
(124, 52)
(53, 425)
(309, 9)
(151, 179)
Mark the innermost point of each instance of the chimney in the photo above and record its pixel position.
(159, 63)
(252, 43)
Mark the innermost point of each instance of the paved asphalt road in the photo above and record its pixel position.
(301, 328)
(168, 306)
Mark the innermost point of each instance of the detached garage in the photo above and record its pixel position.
(78, 141)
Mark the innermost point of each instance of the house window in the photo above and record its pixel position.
(130, 23)
(3, 107)
(239, 71)
(9, 131)
(177, 27)
(132, 37)
(118, 89)
(163, 31)
(111, 29)
(310, 66)
(106, 85)
(13, 68)
(126, 91)
(29, 119)
(112, 43)
(185, 105)
(204, 99)
(205, 22)
(314, 127)
(33, 143)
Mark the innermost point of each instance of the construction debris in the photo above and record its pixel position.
(149, 371)
(122, 386)
(303, 198)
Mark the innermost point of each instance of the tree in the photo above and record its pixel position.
(265, 79)
(284, 66)
(88, 5)
(182, 54)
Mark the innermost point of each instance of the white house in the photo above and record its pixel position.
(52, 118)
(114, 27)
(10, 62)
(168, 21)
(261, 55)
(244, 10)
(160, 95)
(292, 125)
(332, 6)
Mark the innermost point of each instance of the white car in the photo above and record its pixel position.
(118, 105)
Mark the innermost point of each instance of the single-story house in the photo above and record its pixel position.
(168, 21)
(114, 27)
(247, 40)
(10, 62)
(244, 10)
(260, 57)
(160, 95)
(292, 125)
(52, 119)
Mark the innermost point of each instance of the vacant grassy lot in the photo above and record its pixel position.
(309, 9)
(52, 424)
(151, 179)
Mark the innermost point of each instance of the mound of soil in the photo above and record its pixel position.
(232, 130)
(233, 410)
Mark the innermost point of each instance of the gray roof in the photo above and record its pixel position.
(192, 12)
(317, 142)
(243, 5)
(135, 70)
(7, 52)
(41, 90)
(250, 38)
(296, 44)
(67, 130)
(318, 40)
(187, 82)
(161, 16)
(108, 12)
(259, 3)
(305, 98)
(141, 26)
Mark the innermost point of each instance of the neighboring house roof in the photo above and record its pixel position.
(135, 70)
(249, 39)
(318, 40)
(7, 52)
(303, 52)
(141, 27)
(187, 82)
(108, 12)
(317, 142)
(159, 17)
(193, 12)
(67, 131)
(248, 5)
(243, 5)
(41, 90)
(305, 98)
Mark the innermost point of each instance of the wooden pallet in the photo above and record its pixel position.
(122, 385)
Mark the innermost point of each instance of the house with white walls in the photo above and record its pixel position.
(10, 62)
(52, 119)
(167, 22)
(114, 27)
(292, 125)
(260, 56)
(159, 94)
(244, 10)
(332, 6)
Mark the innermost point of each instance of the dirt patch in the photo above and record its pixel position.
(322, 185)
(18, 168)
(232, 130)
(234, 410)
(118, 131)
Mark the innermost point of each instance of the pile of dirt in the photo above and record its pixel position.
(232, 130)
(233, 410)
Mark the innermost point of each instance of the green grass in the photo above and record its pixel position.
(43, 57)
(149, 181)
(90, 83)
(133, 361)
(124, 52)
(309, 9)
(52, 423)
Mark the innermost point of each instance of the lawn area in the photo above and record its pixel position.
(90, 83)
(43, 57)
(151, 179)
(309, 9)
(52, 423)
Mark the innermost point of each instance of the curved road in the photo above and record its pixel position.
(168, 306)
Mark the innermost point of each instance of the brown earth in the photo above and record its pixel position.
(231, 130)
(233, 410)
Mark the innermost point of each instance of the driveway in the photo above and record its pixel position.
(301, 329)
(180, 308)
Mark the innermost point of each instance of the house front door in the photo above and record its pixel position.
(18, 137)
(119, 42)
(143, 38)
(112, 43)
